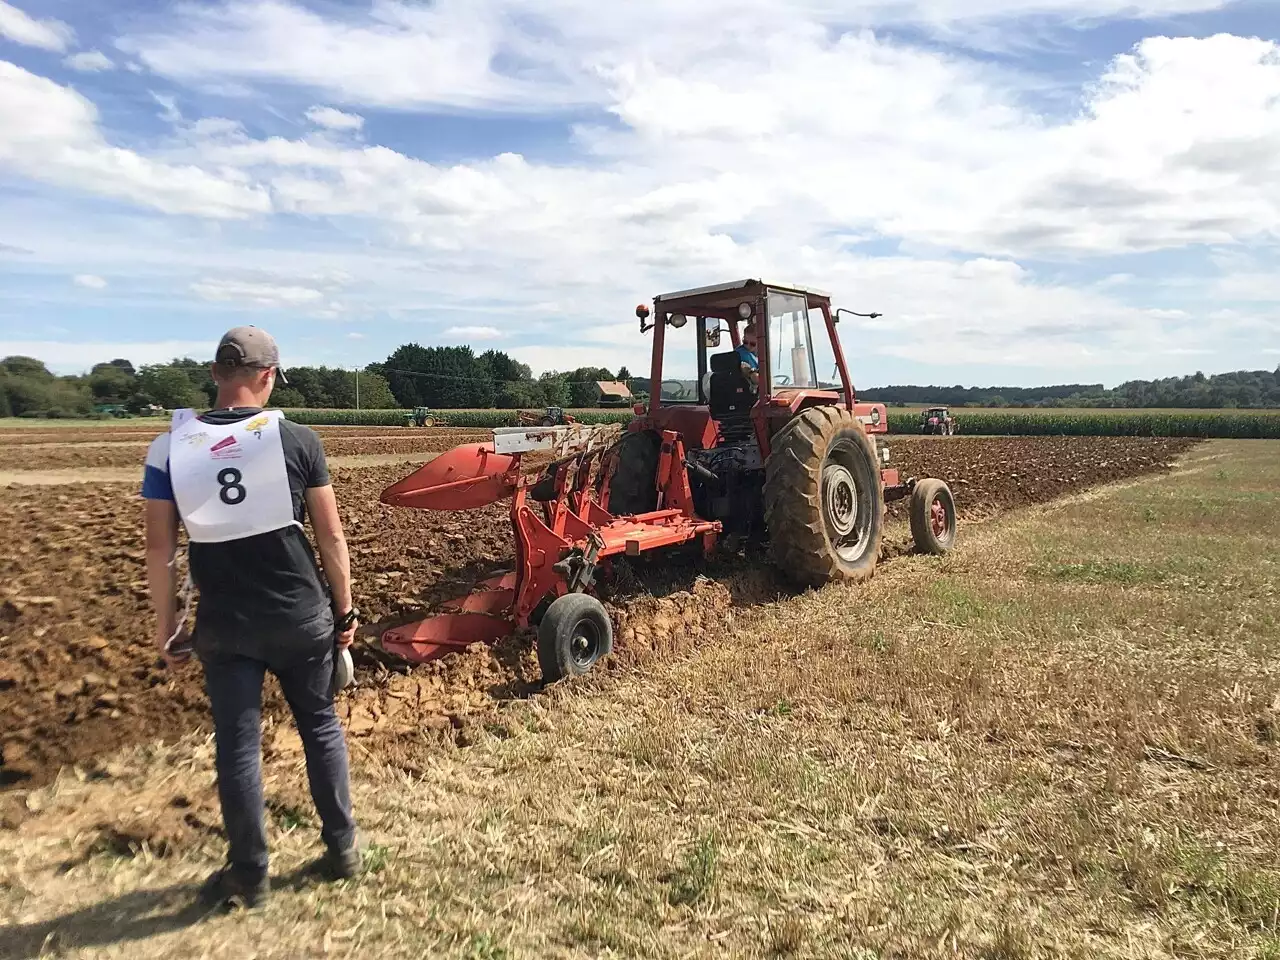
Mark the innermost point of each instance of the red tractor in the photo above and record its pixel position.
(773, 448)
(753, 443)
(550, 417)
(937, 421)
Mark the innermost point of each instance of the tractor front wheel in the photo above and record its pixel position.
(823, 498)
(575, 632)
(933, 516)
(634, 486)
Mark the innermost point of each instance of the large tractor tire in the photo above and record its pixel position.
(823, 498)
(633, 488)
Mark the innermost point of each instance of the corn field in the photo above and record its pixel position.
(1207, 424)
(1225, 423)
(482, 419)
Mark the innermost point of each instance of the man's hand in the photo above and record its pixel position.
(346, 637)
(162, 541)
(181, 651)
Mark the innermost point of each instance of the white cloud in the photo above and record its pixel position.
(355, 336)
(50, 134)
(452, 53)
(474, 333)
(257, 293)
(20, 28)
(89, 61)
(693, 168)
(89, 281)
(79, 356)
(334, 119)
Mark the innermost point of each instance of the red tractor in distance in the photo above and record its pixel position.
(937, 421)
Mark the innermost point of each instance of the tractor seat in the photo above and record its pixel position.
(731, 397)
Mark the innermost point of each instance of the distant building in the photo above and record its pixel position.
(612, 393)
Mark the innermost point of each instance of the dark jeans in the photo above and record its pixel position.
(234, 685)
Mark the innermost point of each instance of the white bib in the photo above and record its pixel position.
(230, 480)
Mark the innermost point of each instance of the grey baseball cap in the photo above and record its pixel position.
(249, 347)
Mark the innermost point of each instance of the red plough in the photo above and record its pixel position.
(563, 536)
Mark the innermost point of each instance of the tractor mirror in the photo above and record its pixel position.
(710, 332)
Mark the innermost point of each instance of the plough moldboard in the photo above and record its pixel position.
(563, 538)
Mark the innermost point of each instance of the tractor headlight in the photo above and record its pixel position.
(677, 320)
(875, 416)
(745, 310)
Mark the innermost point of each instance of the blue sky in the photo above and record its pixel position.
(1030, 191)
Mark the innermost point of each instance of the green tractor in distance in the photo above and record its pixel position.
(422, 417)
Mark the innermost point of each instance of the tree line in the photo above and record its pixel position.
(1243, 389)
(457, 377)
(437, 377)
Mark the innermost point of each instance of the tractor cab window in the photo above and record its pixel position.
(680, 362)
(791, 360)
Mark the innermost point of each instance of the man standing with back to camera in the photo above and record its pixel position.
(242, 480)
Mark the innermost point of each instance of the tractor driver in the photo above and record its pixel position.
(746, 352)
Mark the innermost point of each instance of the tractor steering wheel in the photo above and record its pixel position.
(781, 379)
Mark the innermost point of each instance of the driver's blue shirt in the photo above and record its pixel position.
(746, 356)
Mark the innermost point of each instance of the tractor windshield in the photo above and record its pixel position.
(791, 359)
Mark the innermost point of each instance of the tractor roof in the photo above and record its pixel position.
(728, 294)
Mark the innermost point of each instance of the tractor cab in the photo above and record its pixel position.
(736, 361)
(733, 365)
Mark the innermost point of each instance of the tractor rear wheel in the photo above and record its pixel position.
(575, 632)
(823, 498)
(634, 487)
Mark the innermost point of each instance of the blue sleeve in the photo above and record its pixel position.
(747, 357)
(155, 475)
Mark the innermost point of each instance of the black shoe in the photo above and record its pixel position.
(230, 889)
(343, 864)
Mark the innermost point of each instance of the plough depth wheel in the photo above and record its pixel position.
(574, 633)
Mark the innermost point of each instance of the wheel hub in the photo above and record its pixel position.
(584, 644)
(938, 518)
(839, 499)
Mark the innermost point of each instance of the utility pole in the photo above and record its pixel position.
(357, 388)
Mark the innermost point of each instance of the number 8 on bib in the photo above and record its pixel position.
(230, 481)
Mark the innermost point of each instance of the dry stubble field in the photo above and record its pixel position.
(1059, 741)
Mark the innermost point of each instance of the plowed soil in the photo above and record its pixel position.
(117, 452)
(79, 677)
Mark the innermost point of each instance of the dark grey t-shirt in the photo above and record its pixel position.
(266, 589)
